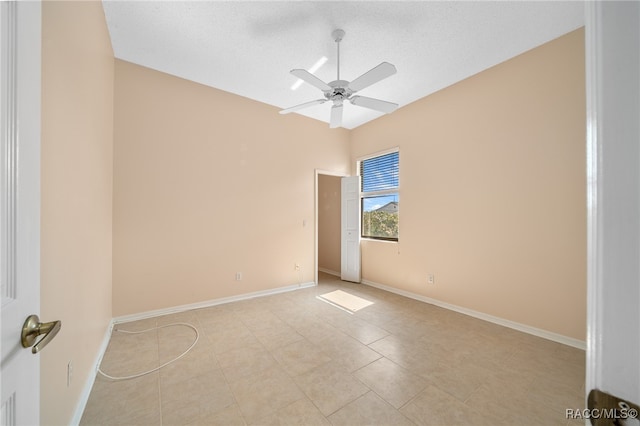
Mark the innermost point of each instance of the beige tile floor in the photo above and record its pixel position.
(291, 359)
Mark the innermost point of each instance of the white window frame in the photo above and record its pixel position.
(379, 193)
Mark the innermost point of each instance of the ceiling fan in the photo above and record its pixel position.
(339, 91)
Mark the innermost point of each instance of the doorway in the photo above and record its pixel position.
(327, 220)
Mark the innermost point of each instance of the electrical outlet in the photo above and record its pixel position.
(297, 266)
(431, 279)
(69, 373)
(238, 276)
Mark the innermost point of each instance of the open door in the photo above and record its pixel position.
(20, 29)
(613, 181)
(350, 232)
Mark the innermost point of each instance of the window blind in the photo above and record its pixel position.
(379, 173)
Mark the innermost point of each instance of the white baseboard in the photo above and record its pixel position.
(208, 303)
(84, 397)
(486, 317)
(88, 385)
(86, 391)
(329, 271)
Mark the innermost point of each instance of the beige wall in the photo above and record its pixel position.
(492, 177)
(77, 135)
(207, 184)
(492, 191)
(329, 217)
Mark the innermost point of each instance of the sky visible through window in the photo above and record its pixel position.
(374, 203)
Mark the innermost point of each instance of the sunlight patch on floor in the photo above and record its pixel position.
(345, 300)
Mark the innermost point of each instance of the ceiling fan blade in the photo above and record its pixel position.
(372, 76)
(311, 79)
(336, 116)
(377, 104)
(304, 105)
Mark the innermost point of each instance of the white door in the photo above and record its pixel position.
(350, 247)
(20, 28)
(613, 176)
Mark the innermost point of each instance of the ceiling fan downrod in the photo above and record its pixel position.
(338, 36)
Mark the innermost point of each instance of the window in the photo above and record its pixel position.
(379, 196)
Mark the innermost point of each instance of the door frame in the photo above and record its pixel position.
(316, 203)
(607, 315)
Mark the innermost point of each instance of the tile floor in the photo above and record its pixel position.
(291, 359)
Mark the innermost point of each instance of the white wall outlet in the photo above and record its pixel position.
(297, 266)
(69, 373)
(238, 276)
(431, 279)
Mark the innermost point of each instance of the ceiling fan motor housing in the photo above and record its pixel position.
(340, 91)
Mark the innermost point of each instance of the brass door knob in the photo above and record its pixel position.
(33, 328)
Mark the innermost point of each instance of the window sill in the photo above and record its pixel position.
(378, 241)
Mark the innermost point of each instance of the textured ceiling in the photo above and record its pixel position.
(248, 48)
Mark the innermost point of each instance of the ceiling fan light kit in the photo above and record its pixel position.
(339, 91)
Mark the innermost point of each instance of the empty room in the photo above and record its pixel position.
(300, 213)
